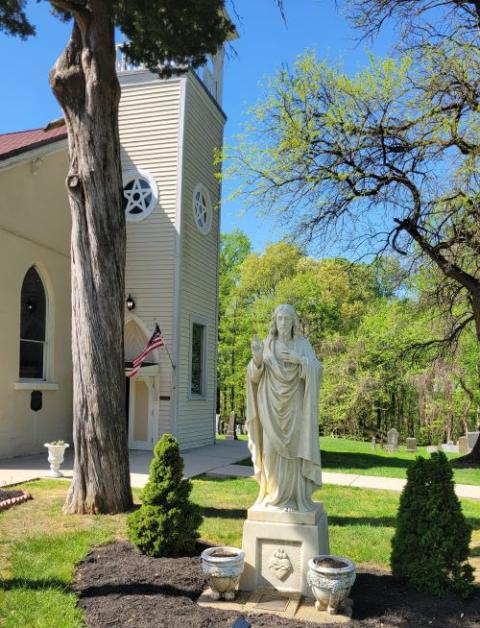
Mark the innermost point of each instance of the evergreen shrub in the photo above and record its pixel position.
(167, 522)
(431, 543)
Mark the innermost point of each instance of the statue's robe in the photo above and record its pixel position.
(282, 421)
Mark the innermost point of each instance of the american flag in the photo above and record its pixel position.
(155, 342)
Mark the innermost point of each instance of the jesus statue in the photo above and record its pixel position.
(282, 415)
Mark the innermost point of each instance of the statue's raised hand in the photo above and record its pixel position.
(257, 351)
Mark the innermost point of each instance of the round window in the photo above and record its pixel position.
(202, 209)
(140, 194)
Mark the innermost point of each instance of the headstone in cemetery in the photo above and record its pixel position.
(450, 448)
(463, 448)
(392, 440)
(431, 449)
(472, 439)
(238, 429)
(411, 444)
(374, 443)
(288, 471)
(232, 431)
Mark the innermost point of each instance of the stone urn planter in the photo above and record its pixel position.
(330, 578)
(223, 567)
(56, 456)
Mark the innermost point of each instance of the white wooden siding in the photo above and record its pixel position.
(149, 131)
(203, 132)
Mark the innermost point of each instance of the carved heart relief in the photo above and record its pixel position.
(280, 564)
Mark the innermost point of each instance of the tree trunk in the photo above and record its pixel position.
(85, 84)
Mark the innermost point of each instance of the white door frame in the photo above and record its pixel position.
(149, 375)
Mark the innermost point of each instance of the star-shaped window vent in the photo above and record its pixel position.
(202, 209)
(137, 196)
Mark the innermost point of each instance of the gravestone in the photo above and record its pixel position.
(411, 444)
(431, 449)
(374, 443)
(450, 448)
(232, 430)
(472, 439)
(463, 448)
(392, 440)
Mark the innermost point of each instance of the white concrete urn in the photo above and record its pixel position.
(330, 578)
(56, 456)
(223, 567)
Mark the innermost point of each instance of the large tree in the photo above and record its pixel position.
(387, 158)
(167, 36)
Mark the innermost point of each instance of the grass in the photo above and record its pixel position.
(349, 456)
(40, 546)
(343, 455)
(361, 522)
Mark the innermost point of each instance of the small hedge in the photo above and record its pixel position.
(167, 522)
(431, 543)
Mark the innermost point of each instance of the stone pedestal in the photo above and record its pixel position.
(278, 546)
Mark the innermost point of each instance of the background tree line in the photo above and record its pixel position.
(368, 323)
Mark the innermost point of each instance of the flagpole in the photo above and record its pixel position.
(165, 345)
(170, 357)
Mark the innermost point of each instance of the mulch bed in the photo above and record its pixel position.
(118, 586)
(9, 498)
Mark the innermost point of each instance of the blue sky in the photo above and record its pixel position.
(265, 43)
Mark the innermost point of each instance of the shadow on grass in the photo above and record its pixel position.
(34, 585)
(377, 522)
(224, 513)
(349, 460)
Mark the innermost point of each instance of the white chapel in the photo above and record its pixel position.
(169, 131)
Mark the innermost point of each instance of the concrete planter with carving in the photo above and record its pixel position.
(330, 578)
(223, 567)
(56, 456)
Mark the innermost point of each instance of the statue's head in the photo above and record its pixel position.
(284, 316)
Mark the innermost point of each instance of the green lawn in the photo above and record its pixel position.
(343, 455)
(39, 546)
(350, 456)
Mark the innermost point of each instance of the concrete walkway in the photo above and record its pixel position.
(197, 461)
(350, 479)
(216, 460)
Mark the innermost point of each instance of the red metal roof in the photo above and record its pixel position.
(21, 141)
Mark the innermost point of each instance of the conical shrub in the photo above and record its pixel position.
(167, 522)
(431, 543)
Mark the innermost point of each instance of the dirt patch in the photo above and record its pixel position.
(9, 498)
(119, 587)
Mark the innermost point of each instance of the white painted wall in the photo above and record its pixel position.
(34, 230)
(203, 132)
(149, 136)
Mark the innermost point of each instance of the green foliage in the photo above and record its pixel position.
(13, 19)
(431, 543)
(383, 160)
(167, 36)
(362, 330)
(170, 33)
(167, 523)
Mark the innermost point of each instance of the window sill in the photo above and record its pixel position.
(194, 397)
(35, 385)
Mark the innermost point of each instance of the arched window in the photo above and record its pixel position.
(33, 318)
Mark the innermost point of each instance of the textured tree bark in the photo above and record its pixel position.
(85, 84)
